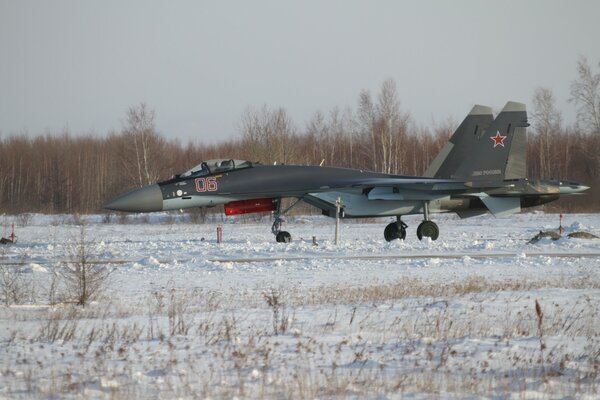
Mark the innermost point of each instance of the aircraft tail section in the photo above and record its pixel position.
(449, 159)
(485, 149)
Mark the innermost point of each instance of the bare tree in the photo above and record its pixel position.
(388, 112)
(11, 283)
(366, 122)
(547, 124)
(283, 130)
(585, 93)
(384, 126)
(347, 136)
(340, 137)
(84, 278)
(255, 132)
(317, 132)
(267, 134)
(144, 145)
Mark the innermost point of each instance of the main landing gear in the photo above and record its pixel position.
(395, 230)
(282, 236)
(427, 228)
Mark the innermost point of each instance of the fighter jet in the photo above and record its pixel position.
(481, 169)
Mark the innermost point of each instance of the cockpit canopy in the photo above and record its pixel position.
(216, 166)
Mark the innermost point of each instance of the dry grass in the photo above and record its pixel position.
(409, 287)
(400, 339)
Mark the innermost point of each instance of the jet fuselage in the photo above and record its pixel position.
(321, 186)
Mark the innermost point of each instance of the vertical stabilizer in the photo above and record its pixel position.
(449, 159)
(494, 151)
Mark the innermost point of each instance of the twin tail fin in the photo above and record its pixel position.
(485, 149)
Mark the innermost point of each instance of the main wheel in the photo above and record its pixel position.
(393, 232)
(283, 237)
(402, 233)
(428, 229)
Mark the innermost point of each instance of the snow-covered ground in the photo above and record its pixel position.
(183, 316)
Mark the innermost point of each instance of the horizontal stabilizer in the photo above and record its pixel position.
(501, 206)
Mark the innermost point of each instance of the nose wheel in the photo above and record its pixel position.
(282, 236)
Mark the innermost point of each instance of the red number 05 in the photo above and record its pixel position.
(206, 184)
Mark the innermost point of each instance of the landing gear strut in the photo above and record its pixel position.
(427, 228)
(282, 236)
(395, 230)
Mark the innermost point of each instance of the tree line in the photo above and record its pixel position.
(63, 173)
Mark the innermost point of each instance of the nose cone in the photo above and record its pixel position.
(572, 188)
(146, 199)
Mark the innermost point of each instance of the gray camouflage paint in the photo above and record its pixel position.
(481, 168)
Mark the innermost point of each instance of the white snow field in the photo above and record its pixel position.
(184, 317)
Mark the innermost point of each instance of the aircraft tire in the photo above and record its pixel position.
(393, 232)
(428, 229)
(402, 233)
(283, 237)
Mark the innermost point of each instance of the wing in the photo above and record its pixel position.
(383, 196)
(404, 196)
(404, 183)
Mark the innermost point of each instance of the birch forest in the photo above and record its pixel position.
(66, 172)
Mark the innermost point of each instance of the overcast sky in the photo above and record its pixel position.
(79, 65)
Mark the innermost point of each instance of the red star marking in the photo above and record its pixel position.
(498, 139)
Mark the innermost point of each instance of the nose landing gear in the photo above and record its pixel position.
(281, 236)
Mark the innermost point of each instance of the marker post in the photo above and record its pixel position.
(560, 228)
(338, 206)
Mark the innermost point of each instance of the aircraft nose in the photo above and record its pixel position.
(146, 199)
(583, 188)
(572, 188)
